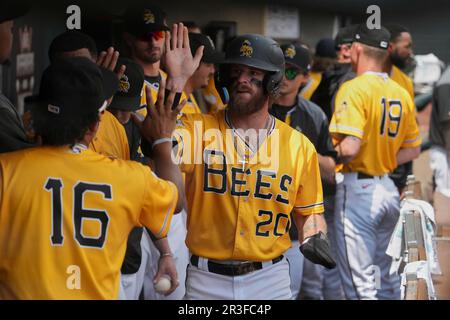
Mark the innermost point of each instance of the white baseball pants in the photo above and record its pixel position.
(367, 211)
(270, 283)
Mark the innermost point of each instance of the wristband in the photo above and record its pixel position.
(161, 140)
(166, 254)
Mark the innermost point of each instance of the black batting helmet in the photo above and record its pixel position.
(255, 51)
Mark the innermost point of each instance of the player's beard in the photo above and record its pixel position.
(246, 106)
(398, 61)
(152, 55)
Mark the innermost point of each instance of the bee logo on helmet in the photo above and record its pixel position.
(246, 49)
(149, 17)
(290, 52)
(124, 84)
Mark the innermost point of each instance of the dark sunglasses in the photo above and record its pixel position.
(291, 73)
(157, 35)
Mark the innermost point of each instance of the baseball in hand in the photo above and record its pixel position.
(163, 285)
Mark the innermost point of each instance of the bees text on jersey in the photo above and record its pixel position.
(65, 215)
(380, 112)
(240, 199)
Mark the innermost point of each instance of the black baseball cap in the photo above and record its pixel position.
(13, 9)
(325, 48)
(142, 19)
(345, 35)
(210, 54)
(71, 40)
(297, 56)
(75, 87)
(131, 85)
(378, 38)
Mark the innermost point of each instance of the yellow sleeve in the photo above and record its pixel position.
(412, 138)
(348, 118)
(188, 135)
(111, 138)
(160, 199)
(309, 196)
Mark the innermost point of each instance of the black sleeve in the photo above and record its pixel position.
(12, 134)
(325, 145)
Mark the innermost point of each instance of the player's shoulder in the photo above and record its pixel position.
(17, 155)
(398, 91)
(291, 138)
(310, 108)
(163, 74)
(206, 120)
(357, 84)
(110, 121)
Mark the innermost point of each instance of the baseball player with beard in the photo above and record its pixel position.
(400, 51)
(376, 130)
(144, 35)
(242, 185)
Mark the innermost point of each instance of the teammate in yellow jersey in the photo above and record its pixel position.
(212, 97)
(310, 87)
(324, 57)
(75, 207)
(144, 35)
(241, 189)
(400, 52)
(205, 71)
(111, 139)
(374, 122)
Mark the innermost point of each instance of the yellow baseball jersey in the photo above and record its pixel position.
(314, 80)
(111, 139)
(191, 106)
(378, 111)
(155, 89)
(65, 216)
(212, 97)
(239, 199)
(403, 80)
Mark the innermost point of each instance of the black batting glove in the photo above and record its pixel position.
(317, 250)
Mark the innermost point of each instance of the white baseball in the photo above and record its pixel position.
(163, 285)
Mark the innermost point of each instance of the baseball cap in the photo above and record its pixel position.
(378, 38)
(210, 54)
(13, 9)
(298, 56)
(131, 85)
(71, 40)
(75, 87)
(345, 35)
(140, 20)
(325, 48)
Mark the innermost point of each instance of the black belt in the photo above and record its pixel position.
(233, 269)
(364, 176)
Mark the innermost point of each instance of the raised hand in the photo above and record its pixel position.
(180, 63)
(161, 118)
(108, 60)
